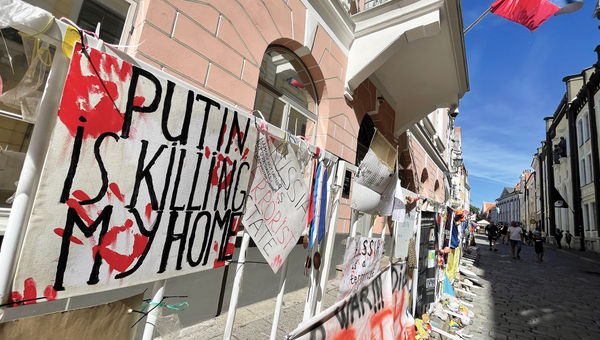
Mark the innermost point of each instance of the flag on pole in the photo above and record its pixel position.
(533, 13)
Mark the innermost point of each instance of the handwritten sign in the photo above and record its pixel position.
(361, 263)
(365, 314)
(277, 200)
(145, 179)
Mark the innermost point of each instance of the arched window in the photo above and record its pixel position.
(365, 135)
(285, 94)
(424, 175)
(436, 186)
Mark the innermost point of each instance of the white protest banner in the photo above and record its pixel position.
(401, 289)
(365, 314)
(375, 182)
(361, 262)
(145, 179)
(277, 200)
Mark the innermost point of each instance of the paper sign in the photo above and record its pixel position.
(361, 263)
(145, 179)
(405, 231)
(364, 314)
(277, 201)
(375, 181)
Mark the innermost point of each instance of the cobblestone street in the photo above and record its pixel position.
(523, 299)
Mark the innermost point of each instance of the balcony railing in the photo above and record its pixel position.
(357, 6)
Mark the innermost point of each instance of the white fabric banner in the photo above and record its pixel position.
(145, 179)
(277, 200)
(361, 263)
(368, 313)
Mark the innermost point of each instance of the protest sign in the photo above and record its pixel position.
(361, 262)
(364, 314)
(401, 285)
(277, 200)
(375, 181)
(145, 179)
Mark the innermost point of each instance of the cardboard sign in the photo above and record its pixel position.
(364, 314)
(145, 179)
(361, 263)
(277, 200)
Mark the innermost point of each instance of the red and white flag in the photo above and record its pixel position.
(532, 13)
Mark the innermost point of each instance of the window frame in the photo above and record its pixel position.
(289, 101)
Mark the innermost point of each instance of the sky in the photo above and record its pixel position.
(515, 79)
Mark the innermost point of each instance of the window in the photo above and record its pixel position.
(586, 128)
(285, 94)
(15, 131)
(582, 172)
(579, 132)
(592, 212)
(586, 221)
(588, 170)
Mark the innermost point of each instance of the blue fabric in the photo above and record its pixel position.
(312, 223)
(448, 286)
(454, 241)
(323, 208)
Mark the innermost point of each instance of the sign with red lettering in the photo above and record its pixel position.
(367, 313)
(145, 179)
(361, 263)
(277, 200)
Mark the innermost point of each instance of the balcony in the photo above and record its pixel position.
(412, 50)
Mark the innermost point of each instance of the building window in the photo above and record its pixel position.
(285, 94)
(16, 116)
(586, 128)
(582, 172)
(579, 132)
(424, 176)
(588, 169)
(592, 213)
(586, 221)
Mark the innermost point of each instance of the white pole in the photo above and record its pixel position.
(331, 233)
(158, 293)
(30, 174)
(279, 302)
(237, 283)
(477, 20)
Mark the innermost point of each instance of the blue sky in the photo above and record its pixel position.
(516, 80)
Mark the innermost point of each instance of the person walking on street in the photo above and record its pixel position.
(568, 237)
(503, 229)
(558, 234)
(515, 236)
(492, 234)
(538, 245)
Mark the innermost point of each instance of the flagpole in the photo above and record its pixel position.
(477, 20)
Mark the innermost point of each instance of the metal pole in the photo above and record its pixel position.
(279, 302)
(237, 283)
(30, 174)
(477, 20)
(159, 292)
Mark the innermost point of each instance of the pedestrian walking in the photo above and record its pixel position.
(515, 236)
(568, 238)
(492, 233)
(538, 246)
(503, 230)
(558, 234)
(530, 238)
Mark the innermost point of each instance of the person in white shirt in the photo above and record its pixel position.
(515, 235)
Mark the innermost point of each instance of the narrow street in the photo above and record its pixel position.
(523, 299)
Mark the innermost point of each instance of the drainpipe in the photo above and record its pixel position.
(550, 174)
